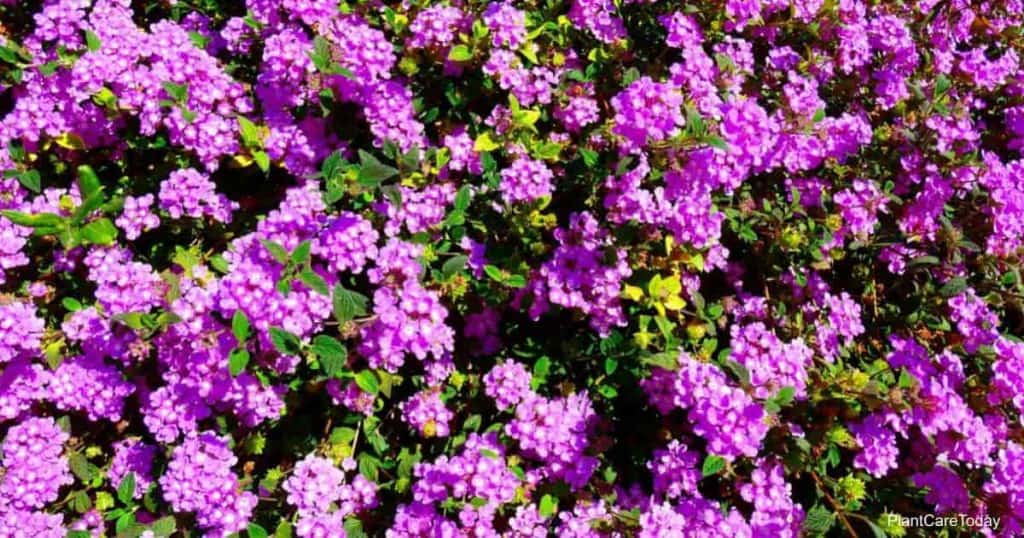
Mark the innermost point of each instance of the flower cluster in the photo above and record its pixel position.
(606, 268)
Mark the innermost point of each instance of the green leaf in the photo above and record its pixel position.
(276, 251)
(541, 369)
(495, 273)
(321, 55)
(262, 160)
(460, 53)
(250, 133)
(331, 353)
(31, 180)
(240, 326)
(80, 502)
(332, 166)
(942, 83)
(372, 172)
(367, 381)
(92, 41)
(285, 342)
(624, 165)
(717, 142)
(348, 304)
(818, 520)
(178, 92)
(712, 465)
(164, 526)
(548, 505)
(484, 142)
(463, 197)
(39, 220)
(284, 529)
(924, 260)
(785, 396)
(125, 522)
(314, 282)
(99, 232)
(411, 159)
(256, 531)
(237, 361)
(126, 490)
(301, 253)
(71, 304)
(89, 205)
(354, 528)
(953, 287)
(453, 265)
(516, 281)
(590, 157)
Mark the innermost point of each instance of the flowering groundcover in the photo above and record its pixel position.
(585, 268)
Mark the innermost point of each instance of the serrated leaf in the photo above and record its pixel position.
(331, 353)
(178, 92)
(367, 381)
(924, 260)
(99, 232)
(548, 505)
(250, 133)
(88, 207)
(332, 166)
(262, 160)
(81, 467)
(354, 528)
(237, 361)
(494, 272)
(785, 396)
(590, 157)
(463, 197)
(39, 220)
(668, 360)
(126, 489)
(31, 180)
(818, 520)
(717, 142)
(125, 522)
(301, 254)
(460, 53)
(92, 41)
(454, 265)
(283, 530)
(484, 142)
(240, 326)
(80, 502)
(276, 251)
(314, 282)
(712, 465)
(164, 527)
(953, 287)
(348, 304)
(70, 141)
(516, 281)
(285, 342)
(372, 172)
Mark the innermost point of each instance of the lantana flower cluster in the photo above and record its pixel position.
(590, 268)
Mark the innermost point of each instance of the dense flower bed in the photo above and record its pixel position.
(737, 268)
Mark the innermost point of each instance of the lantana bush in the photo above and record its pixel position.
(516, 268)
